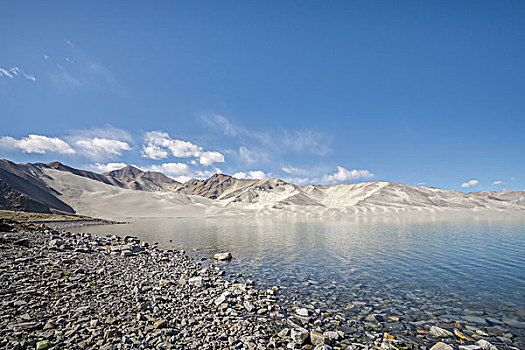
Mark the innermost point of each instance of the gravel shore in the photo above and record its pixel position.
(63, 290)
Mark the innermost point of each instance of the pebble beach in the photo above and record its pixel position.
(63, 290)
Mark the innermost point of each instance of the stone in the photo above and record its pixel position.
(126, 253)
(43, 344)
(441, 346)
(462, 336)
(302, 312)
(331, 336)
(160, 324)
(223, 256)
(317, 338)
(248, 306)
(474, 319)
(56, 242)
(470, 347)
(485, 345)
(323, 347)
(299, 335)
(284, 332)
(196, 281)
(220, 300)
(440, 332)
(109, 333)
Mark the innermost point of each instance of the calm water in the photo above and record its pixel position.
(471, 264)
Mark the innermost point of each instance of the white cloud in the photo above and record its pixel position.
(153, 152)
(183, 149)
(37, 144)
(497, 182)
(172, 169)
(343, 175)
(208, 158)
(104, 168)
(100, 148)
(421, 183)
(179, 148)
(254, 174)
(470, 183)
(159, 142)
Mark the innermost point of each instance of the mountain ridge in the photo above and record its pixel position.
(134, 192)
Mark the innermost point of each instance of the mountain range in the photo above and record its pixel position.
(131, 192)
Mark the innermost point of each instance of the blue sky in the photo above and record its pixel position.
(312, 92)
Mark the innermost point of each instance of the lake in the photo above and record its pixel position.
(449, 269)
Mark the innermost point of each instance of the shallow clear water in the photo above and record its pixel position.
(452, 265)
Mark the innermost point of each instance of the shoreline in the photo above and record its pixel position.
(79, 290)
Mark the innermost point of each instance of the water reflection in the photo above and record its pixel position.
(480, 261)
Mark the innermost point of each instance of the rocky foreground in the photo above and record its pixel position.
(61, 290)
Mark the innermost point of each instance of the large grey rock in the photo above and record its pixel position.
(223, 256)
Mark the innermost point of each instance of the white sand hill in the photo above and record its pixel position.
(222, 195)
(95, 198)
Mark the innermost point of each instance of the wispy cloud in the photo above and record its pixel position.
(78, 70)
(14, 72)
(470, 183)
(36, 144)
(275, 142)
(307, 141)
(497, 182)
(294, 171)
(246, 154)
